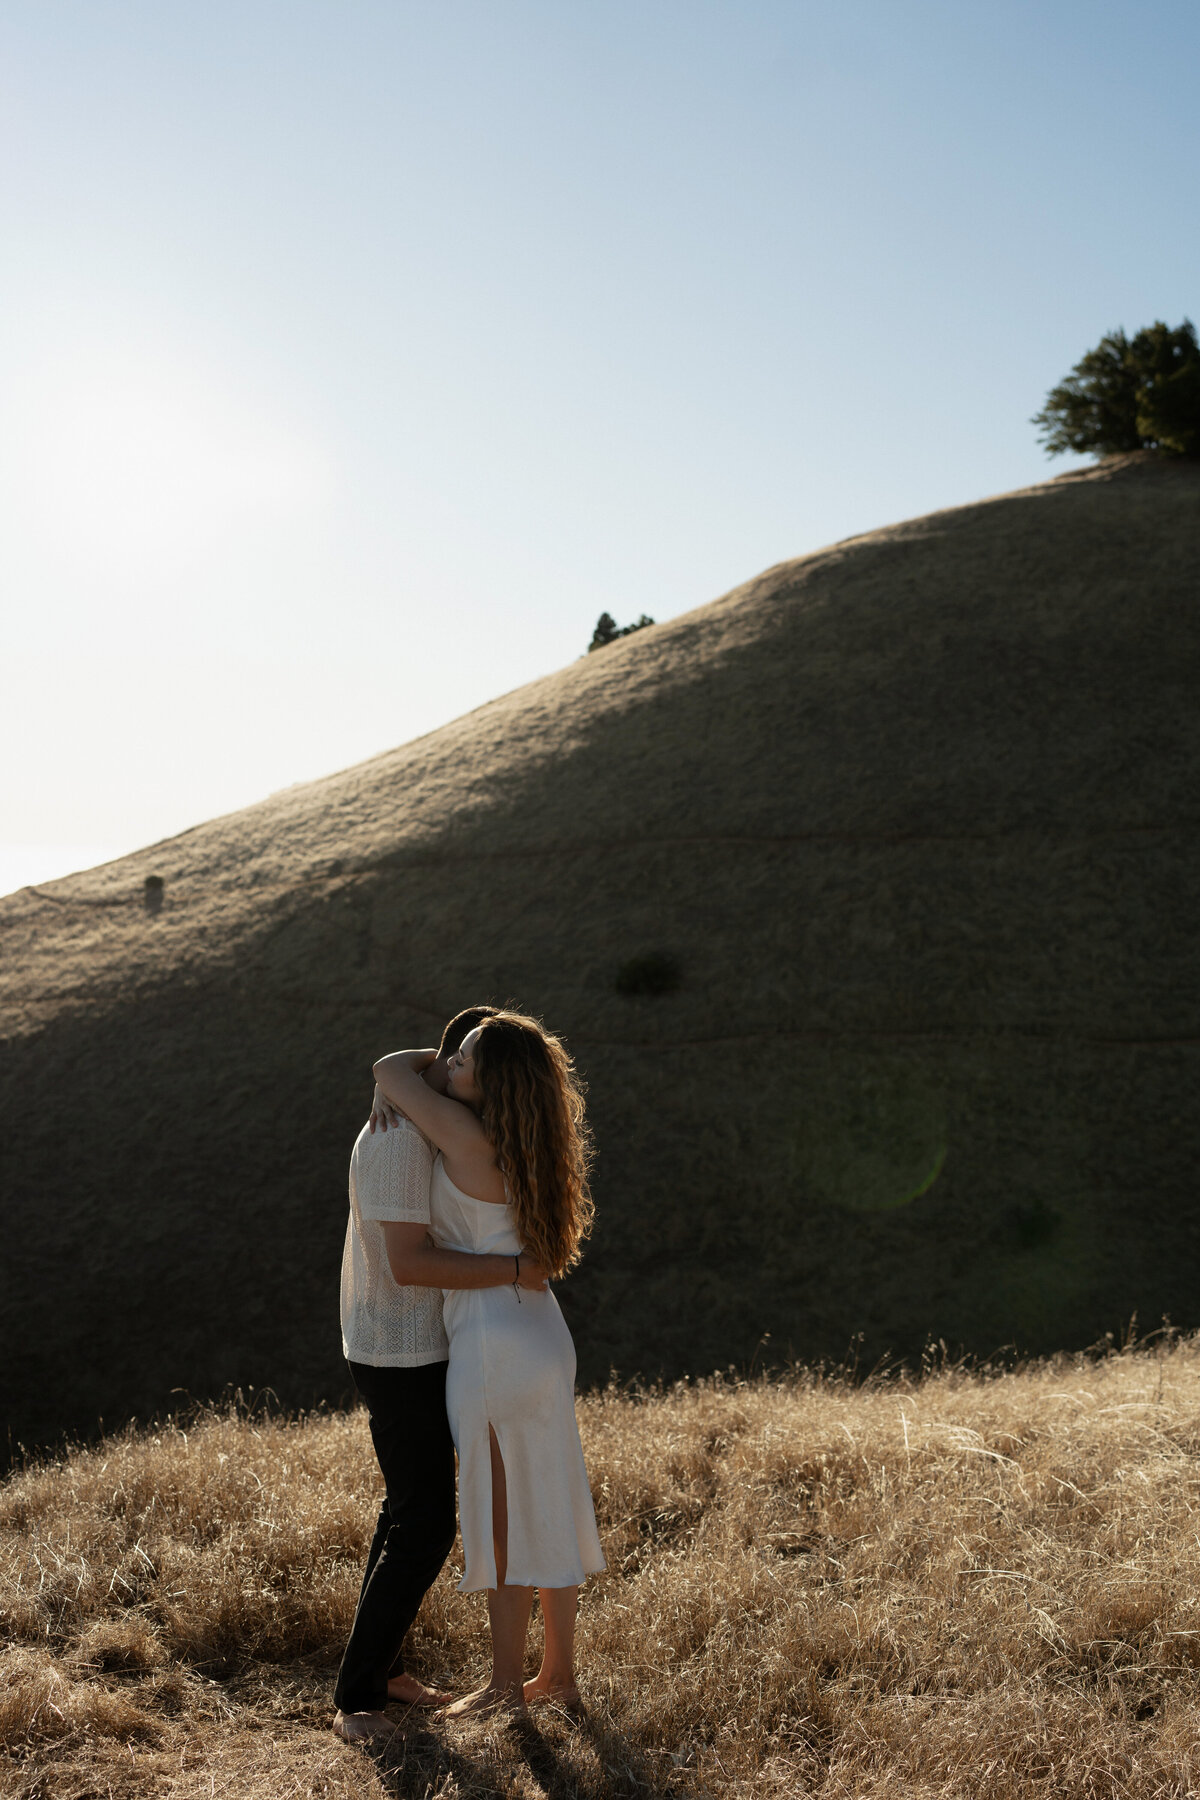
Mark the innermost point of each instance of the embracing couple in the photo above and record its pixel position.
(469, 1197)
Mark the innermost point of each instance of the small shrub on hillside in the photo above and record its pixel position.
(1034, 1223)
(654, 973)
(1139, 393)
(608, 631)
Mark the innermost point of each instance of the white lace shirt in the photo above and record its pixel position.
(383, 1324)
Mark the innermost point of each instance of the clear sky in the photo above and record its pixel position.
(357, 354)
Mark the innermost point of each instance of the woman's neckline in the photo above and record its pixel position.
(462, 1192)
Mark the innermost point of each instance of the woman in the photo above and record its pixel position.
(511, 1176)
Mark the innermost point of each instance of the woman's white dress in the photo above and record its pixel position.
(512, 1366)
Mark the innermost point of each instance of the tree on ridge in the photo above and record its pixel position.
(1139, 393)
(608, 631)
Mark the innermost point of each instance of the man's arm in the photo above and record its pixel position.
(395, 1181)
(417, 1262)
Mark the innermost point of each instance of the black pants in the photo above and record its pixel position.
(416, 1524)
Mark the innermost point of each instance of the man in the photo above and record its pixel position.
(392, 1335)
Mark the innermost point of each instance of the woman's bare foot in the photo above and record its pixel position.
(487, 1699)
(411, 1692)
(544, 1693)
(358, 1728)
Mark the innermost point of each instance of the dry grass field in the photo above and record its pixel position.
(970, 1584)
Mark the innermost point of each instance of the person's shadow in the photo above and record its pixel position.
(417, 1760)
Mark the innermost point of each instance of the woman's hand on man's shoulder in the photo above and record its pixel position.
(383, 1113)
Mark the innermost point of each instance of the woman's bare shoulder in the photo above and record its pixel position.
(476, 1177)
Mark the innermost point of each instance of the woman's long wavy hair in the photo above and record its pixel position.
(533, 1115)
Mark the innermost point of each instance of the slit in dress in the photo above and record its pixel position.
(498, 1484)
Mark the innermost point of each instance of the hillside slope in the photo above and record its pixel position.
(916, 817)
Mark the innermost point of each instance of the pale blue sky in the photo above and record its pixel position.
(357, 355)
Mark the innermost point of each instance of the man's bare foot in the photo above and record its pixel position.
(357, 1728)
(411, 1692)
(544, 1693)
(485, 1700)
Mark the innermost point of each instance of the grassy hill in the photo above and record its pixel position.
(915, 820)
(960, 1586)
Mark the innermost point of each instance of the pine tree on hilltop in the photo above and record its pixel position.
(1140, 393)
(608, 631)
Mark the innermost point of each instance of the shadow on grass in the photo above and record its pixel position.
(577, 1757)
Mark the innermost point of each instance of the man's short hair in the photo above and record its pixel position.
(461, 1024)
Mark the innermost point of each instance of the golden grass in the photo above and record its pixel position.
(969, 1584)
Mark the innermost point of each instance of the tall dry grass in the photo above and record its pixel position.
(970, 1584)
